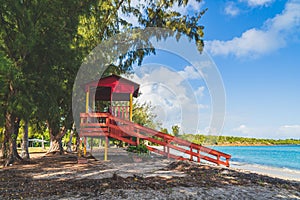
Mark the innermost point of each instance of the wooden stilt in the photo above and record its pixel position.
(79, 148)
(84, 146)
(106, 148)
(198, 158)
(130, 107)
(87, 100)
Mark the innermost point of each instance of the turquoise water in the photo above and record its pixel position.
(282, 156)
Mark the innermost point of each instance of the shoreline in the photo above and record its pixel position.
(250, 145)
(275, 172)
(272, 171)
(123, 178)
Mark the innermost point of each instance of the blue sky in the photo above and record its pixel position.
(262, 82)
(255, 45)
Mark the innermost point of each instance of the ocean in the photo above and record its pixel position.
(279, 156)
(281, 161)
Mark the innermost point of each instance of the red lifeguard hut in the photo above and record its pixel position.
(107, 97)
(109, 114)
(111, 94)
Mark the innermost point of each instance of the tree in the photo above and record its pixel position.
(9, 107)
(37, 36)
(46, 41)
(143, 115)
(175, 130)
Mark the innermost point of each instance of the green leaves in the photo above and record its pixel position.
(143, 115)
(45, 41)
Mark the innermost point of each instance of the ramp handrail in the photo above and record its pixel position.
(121, 129)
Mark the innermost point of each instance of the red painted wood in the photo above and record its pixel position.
(121, 129)
(117, 84)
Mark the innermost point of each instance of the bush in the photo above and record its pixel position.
(140, 149)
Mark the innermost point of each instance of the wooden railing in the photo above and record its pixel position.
(125, 131)
(94, 124)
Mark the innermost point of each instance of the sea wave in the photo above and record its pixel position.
(284, 173)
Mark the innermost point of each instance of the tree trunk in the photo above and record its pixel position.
(25, 152)
(5, 145)
(55, 141)
(10, 138)
(55, 146)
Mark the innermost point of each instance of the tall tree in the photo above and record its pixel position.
(9, 80)
(36, 36)
(46, 41)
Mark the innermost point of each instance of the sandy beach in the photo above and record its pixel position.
(60, 177)
(275, 172)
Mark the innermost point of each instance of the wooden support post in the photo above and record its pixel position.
(79, 148)
(130, 107)
(106, 148)
(87, 99)
(191, 156)
(84, 146)
(137, 141)
(198, 158)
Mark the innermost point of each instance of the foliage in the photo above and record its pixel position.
(43, 43)
(231, 140)
(140, 149)
(142, 113)
(164, 130)
(175, 130)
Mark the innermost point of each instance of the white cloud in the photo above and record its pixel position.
(190, 72)
(288, 20)
(200, 92)
(252, 43)
(192, 5)
(242, 129)
(231, 9)
(290, 131)
(172, 95)
(255, 3)
(273, 35)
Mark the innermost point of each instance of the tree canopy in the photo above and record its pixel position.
(43, 43)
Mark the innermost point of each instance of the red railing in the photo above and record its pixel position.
(104, 124)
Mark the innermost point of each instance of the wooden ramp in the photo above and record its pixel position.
(104, 124)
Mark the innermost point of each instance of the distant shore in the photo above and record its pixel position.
(219, 140)
(241, 145)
